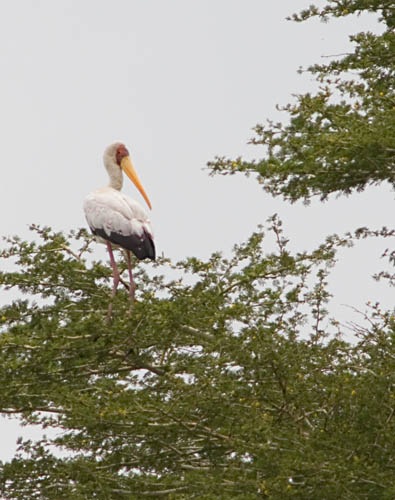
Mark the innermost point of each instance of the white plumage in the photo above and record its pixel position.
(121, 219)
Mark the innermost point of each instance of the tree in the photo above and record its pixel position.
(225, 380)
(342, 138)
(220, 383)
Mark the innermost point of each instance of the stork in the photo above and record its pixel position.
(117, 220)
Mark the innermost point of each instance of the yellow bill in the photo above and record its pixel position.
(128, 168)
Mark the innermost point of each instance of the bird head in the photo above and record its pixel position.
(119, 155)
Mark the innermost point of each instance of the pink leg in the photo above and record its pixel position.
(115, 271)
(132, 286)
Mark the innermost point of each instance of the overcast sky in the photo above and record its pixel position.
(179, 82)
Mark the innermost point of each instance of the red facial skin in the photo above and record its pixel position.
(121, 153)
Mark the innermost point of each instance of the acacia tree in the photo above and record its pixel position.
(342, 138)
(227, 380)
(225, 386)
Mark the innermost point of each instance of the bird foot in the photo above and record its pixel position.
(109, 313)
(132, 289)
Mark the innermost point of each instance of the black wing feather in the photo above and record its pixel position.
(142, 246)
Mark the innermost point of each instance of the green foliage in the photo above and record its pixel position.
(342, 138)
(226, 378)
(219, 383)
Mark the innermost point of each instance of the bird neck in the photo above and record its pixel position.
(115, 175)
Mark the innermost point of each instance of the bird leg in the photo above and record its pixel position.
(132, 286)
(116, 279)
(115, 272)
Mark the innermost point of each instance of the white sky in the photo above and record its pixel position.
(179, 82)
